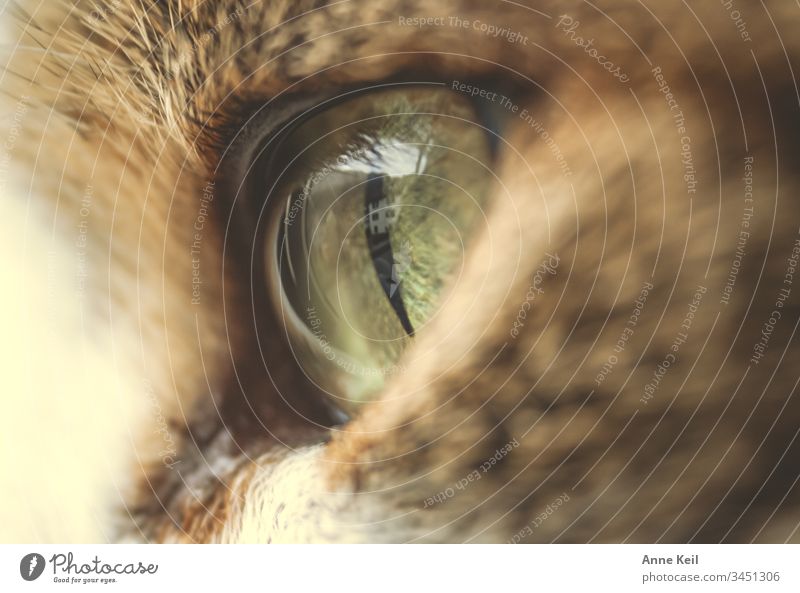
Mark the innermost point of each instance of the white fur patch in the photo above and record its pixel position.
(67, 408)
(286, 502)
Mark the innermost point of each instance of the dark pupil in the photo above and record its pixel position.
(380, 215)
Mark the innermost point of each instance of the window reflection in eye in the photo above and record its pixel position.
(381, 193)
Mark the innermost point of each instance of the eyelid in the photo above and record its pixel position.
(268, 122)
(273, 118)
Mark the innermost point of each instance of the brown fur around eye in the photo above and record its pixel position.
(614, 363)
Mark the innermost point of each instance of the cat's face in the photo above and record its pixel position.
(452, 272)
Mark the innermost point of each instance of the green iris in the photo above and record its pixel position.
(382, 193)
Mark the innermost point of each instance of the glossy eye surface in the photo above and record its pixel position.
(380, 194)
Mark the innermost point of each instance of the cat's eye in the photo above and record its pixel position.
(379, 195)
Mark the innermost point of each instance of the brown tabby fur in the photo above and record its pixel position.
(141, 103)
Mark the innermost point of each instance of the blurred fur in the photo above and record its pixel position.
(131, 103)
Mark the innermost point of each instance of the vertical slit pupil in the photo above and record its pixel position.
(380, 215)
